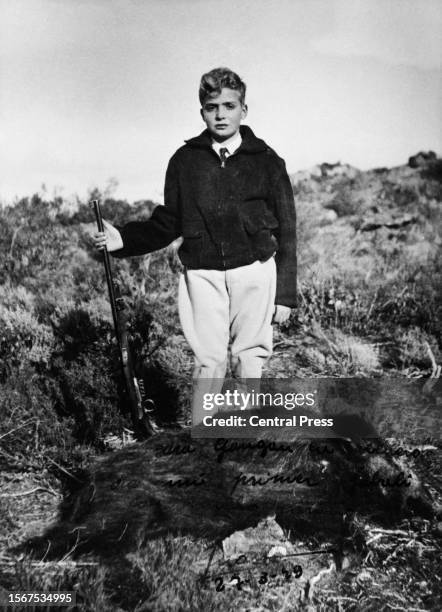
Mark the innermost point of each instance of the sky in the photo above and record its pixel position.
(94, 90)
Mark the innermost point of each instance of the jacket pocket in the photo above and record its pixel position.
(256, 216)
(191, 248)
(260, 236)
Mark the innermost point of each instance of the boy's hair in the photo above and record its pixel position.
(212, 82)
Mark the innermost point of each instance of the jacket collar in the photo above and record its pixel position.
(250, 142)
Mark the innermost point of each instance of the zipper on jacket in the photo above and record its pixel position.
(222, 165)
(223, 256)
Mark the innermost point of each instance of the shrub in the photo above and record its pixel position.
(31, 433)
(23, 340)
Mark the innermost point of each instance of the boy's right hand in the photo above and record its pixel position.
(110, 238)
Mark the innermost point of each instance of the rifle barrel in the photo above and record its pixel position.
(108, 269)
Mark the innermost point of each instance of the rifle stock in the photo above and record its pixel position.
(141, 407)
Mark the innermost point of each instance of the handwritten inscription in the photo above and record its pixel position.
(187, 482)
(352, 481)
(248, 480)
(174, 449)
(239, 580)
(253, 481)
(223, 447)
(400, 480)
(377, 448)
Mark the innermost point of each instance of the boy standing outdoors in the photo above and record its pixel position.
(227, 193)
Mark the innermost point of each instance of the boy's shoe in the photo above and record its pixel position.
(184, 422)
(160, 427)
(152, 427)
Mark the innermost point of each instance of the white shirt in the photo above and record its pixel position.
(231, 144)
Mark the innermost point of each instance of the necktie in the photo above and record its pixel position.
(223, 154)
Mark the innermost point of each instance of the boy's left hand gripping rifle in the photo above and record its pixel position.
(141, 407)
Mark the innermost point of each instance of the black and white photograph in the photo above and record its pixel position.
(221, 305)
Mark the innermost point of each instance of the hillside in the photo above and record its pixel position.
(369, 255)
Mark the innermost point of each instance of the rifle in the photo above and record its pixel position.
(141, 407)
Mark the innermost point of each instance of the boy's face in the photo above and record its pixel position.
(223, 113)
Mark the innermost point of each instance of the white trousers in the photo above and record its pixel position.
(216, 306)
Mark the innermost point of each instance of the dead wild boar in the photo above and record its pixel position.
(173, 483)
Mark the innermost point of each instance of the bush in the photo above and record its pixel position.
(23, 340)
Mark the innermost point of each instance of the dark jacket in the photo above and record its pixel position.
(228, 216)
